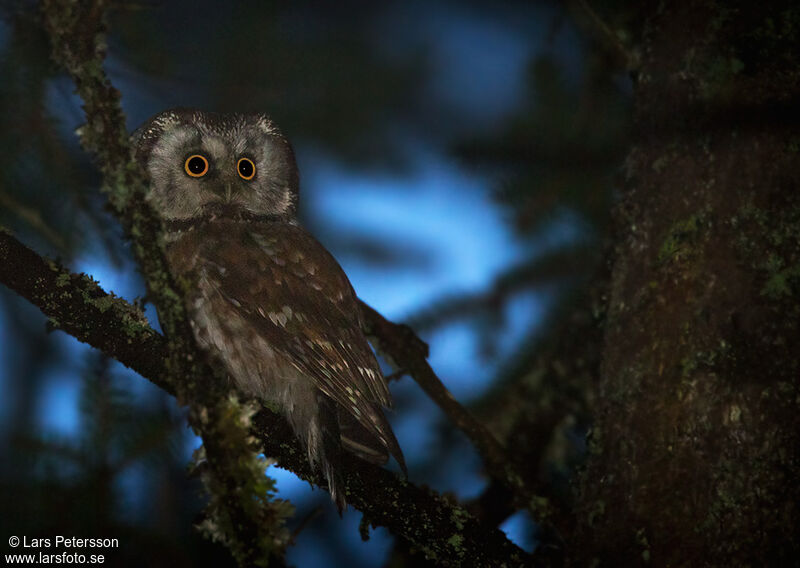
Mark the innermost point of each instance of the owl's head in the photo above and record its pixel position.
(226, 164)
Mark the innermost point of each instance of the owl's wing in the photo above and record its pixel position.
(299, 299)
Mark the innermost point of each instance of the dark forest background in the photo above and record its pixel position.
(460, 159)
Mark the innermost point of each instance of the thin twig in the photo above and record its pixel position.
(628, 55)
(405, 350)
(33, 218)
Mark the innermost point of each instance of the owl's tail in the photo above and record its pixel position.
(329, 452)
(338, 430)
(365, 443)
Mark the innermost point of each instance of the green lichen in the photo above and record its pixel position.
(363, 528)
(597, 511)
(243, 484)
(779, 237)
(641, 540)
(718, 78)
(660, 163)
(104, 303)
(705, 359)
(459, 516)
(678, 244)
(456, 542)
(781, 280)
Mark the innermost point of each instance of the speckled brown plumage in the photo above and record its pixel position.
(268, 303)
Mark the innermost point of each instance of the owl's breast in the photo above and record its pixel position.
(204, 245)
(211, 261)
(264, 297)
(274, 306)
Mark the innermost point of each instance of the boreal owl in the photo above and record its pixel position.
(267, 302)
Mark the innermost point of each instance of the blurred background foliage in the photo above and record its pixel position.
(458, 158)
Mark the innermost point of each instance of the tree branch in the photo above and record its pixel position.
(399, 344)
(556, 266)
(627, 54)
(76, 304)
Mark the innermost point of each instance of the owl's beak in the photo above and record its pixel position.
(227, 192)
(226, 204)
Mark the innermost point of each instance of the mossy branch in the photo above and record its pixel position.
(76, 304)
(253, 528)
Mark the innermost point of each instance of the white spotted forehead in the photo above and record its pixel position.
(213, 123)
(219, 131)
(234, 125)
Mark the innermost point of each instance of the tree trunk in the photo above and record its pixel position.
(694, 454)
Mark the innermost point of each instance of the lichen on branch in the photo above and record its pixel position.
(251, 525)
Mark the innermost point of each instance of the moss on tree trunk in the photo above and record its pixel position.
(694, 455)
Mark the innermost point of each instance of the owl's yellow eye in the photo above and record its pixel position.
(246, 168)
(196, 166)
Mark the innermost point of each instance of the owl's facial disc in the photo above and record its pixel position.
(222, 165)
